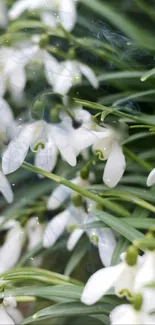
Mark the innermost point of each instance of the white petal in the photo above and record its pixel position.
(17, 83)
(55, 228)
(49, 19)
(46, 158)
(99, 283)
(123, 314)
(115, 166)
(5, 188)
(53, 68)
(146, 270)
(5, 319)
(10, 302)
(17, 150)
(11, 249)
(68, 76)
(15, 314)
(67, 13)
(58, 196)
(126, 279)
(39, 136)
(34, 232)
(6, 115)
(18, 8)
(74, 238)
(2, 85)
(106, 245)
(9, 224)
(151, 178)
(63, 142)
(89, 74)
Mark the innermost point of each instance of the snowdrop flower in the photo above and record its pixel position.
(126, 314)
(3, 14)
(5, 319)
(105, 240)
(34, 234)
(5, 188)
(121, 277)
(151, 178)
(39, 135)
(7, 122)
(69, 73)
(12, 70)
(10, 251)
(52, 11)
(109, 148)
(58, 224)
(62, 193)
(9, 303)
(146, 273)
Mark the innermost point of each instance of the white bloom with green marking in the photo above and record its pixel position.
(52, 12)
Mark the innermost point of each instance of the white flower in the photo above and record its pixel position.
(126, 314)
(47, 139)
(10, 305)
(10, 251)
(105, 240)
(5, 319)
(52, 11)
(121, 276)
(7, 123)
(5, 188)
(69, 73)
(151, 178)
(3, 14)
(109, 148)
(34, 234)
(12, 70)
(62, 193)
(146, 273)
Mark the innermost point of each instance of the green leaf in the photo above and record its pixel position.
(36, 274)
(68, 309)
(121, 247)
(119, 225)
(77, 255)
(140, 35)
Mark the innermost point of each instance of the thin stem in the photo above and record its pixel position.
(138, 160)
(105, 202)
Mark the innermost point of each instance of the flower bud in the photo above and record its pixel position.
(38, 110)
(137, 301)
(84, 173)
(131, 255)
(77, 200)
(44, 41)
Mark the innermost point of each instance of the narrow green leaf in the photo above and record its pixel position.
(121, 247)
(68, 309)
(119, 225)
(77, 255)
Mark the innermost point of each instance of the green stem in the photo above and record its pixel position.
(105, 202)
(138, 160)
(111, 110)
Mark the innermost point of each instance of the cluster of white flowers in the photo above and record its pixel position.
(132, 278)
(71, 136)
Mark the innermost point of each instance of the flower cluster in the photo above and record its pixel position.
(131, 278)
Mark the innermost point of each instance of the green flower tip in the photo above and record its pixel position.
(39, 145)
(131, 255)
(84, 173)
(137, 301)
(44, 41)
(77, 200)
